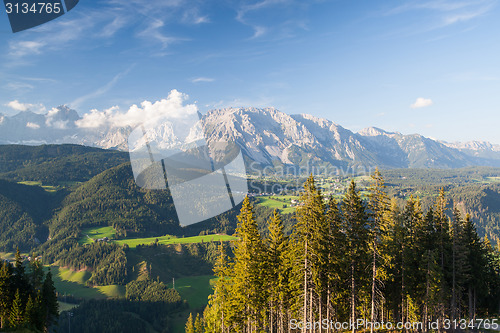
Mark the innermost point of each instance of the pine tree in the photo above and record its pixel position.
(16, 312)
(276, 279)
(379, 207)
(311, 236)
(19, 278)
(460, 264)
(5, 293)
(198, 324)
(443, 246)
(36, 274)
(356, 227)
(189, 324)
(30, 313)
(476, 260)
(336, 264)
(49, 301)
(216, 314)
(249, 274)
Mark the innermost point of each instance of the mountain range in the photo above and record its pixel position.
(269, 137)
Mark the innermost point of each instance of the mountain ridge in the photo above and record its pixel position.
(269, 137)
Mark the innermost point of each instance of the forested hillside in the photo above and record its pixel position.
(23, 209)
(56, 164)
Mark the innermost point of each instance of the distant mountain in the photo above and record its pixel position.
(270, 138)
(477, 148)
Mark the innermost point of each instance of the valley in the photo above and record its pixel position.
(100, 235)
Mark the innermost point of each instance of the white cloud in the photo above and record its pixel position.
(421, 103)
(446, 12)
(22, 48)
(170, 108)
(19, 86)
(154, 31)
(32, 125)
(50, 120)
(18, 106)
(251, 14)
(259, 31)
(202, 79)
(102, 90)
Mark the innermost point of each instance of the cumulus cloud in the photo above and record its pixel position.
(32, 125)
(421, 103)
(172, 108)
(18, 106)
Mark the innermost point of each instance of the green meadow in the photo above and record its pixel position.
(91, 234)
(166, 240)
(278, 202)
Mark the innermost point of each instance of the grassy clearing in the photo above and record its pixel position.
(7, 255)
(492, 179)
(47, 188)
(79, 277)
(194, 289)
(277, 202)
(76, 289)
(66, 306)
(31, 183)
(89, 234)
(112, 290)
(132, 243)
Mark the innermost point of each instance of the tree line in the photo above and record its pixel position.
(27, 296)
(350, 259)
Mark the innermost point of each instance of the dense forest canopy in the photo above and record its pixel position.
(355, 259)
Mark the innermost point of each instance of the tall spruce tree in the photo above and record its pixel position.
(249, 273)
(5, 293)
(356, 227)
(16, 312)
(476, 259)
(189, 324)
(460, 264)
(49, 301)
(311, 235)
(337, 265)
(276, 279)
(379, 213)
(198, 324)
(216, 314)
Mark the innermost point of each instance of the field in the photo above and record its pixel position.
(133, 242)
(194, 289)
(63, 306)
(112, 290)
(277, 202)
(73, 283)
(96, 233)
(8, 255)
(47, 188)
(90, 234)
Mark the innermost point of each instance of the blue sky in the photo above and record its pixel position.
(428, 67)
